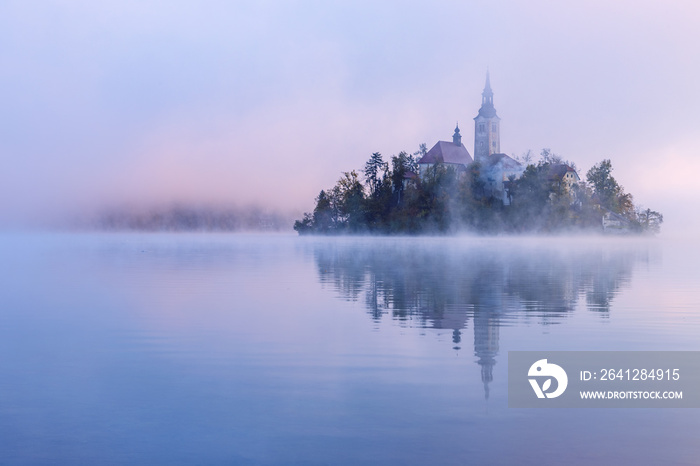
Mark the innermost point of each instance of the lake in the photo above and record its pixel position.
(284, 350)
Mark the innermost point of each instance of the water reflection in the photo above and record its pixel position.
(444, 284)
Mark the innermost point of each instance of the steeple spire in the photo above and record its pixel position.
(457, 138)
(487, 95)
(487, 127)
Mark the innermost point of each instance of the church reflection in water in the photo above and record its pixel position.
(443, 285)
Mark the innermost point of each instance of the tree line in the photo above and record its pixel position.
(388, 198)
(181, 217)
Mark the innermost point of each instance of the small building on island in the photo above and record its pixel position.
(615, 223)
(563, 174)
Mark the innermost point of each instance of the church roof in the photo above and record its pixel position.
(447, 152)
(558, 170)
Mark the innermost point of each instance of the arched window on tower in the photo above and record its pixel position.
(494, 127)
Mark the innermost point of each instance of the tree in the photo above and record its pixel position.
(378, 202)
(400, 165)
(305, 225)
(649, 220)
(422, 150)
(323, 214)
(438, 188)
(609, 193)
(375, 173)
(530, 194)
(473, 205)
(351, 196)
(550, 157)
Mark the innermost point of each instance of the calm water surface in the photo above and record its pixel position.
(279, 350)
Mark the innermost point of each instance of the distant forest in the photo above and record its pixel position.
(192, 218)
(393, 200)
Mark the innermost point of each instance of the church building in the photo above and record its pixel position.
(497, 168)
(453, 154)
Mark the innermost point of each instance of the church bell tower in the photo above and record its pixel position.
(487, 131)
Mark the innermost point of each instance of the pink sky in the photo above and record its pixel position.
(268, 102)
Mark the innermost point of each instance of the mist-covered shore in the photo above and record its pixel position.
(407, 198)
(184, 218)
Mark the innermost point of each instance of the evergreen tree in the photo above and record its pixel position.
(375, 173)
(323, 214)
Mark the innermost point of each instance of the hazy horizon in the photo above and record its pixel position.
(266, 103)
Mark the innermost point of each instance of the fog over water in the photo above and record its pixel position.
(265, 103)
(274, 349)
(141, 344)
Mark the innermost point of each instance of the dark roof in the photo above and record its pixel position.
(487, 111)
(504, 159)
(409, 175)
(558, 170)
(447, 152)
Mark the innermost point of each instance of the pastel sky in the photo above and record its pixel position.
(267, 102)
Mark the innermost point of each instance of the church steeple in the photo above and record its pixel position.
(487, 134)
(457, 138)
(487, 95)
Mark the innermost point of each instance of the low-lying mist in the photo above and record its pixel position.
(189, 217)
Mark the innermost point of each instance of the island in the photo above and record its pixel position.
(444, 190)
